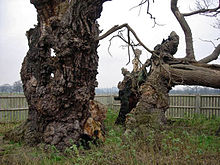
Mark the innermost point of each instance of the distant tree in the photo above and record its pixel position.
(17, 87)
(6, 88)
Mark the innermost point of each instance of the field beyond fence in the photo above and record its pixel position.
(15, 108)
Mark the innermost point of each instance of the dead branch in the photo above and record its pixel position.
(209, 42)
(213, 12)
(217, 24)
(117, 27)
(140, 4)
(148, 10)
(196, 74)
(212, 57)
(129, 43)
(110, 43)
(186, 29)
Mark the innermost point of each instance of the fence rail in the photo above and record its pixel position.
(188, 105)
(15, 108)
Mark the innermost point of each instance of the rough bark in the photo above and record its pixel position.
(195, 74)
(128, 88)
(59, 88)
(150, 109)
(153, 93)
(166, 72)
(128, 95)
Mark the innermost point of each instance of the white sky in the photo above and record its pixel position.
(17, 16)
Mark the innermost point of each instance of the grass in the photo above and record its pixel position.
(184, 141)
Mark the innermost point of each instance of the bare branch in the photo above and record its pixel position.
(148, 10)
(110, 31)
(110, 43)
(209, 42)
(214, 12)
(206, 4)
(206, 7)
(186, 29)
(140, 7)
(117, 27)
(129, 43)
(140, 4)
(217, 24)
(118, 35)
(214, 56)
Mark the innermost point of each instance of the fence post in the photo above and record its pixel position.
(112, 101)
(198, 104)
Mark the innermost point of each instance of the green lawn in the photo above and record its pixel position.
(181, 142)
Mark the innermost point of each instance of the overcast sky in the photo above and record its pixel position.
(17, 16)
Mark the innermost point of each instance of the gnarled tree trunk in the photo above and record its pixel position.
(59, 88)
(166, 72)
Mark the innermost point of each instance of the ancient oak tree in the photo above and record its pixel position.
(60, 88)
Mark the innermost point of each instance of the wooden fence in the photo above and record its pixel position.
(190, 105)
(15, 108)
(180, 106)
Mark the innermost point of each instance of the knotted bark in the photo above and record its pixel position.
(59, 88)
(153, 100)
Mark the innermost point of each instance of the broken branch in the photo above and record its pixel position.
(201, 11)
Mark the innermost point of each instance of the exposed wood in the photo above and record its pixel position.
(192, 74)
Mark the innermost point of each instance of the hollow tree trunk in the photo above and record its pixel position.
(58, 88)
